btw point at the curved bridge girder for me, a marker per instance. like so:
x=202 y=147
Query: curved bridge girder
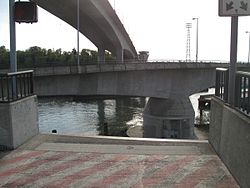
x=98 y=22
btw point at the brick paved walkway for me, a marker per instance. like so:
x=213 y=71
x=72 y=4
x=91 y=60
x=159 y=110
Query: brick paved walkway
x=51 y=166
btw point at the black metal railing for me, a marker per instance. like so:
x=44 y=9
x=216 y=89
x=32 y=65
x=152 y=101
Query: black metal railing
x=242 y=99
x=15 y=86
x=221 y=87
x=242 y=88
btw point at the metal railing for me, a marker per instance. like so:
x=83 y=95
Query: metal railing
x=16 y=86
x=242 y=88
x=242 y=99
x=221 y=86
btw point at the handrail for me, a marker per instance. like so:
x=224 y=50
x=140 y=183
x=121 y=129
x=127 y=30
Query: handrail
x=17 y=73
x=243 y=73
x=221 y=85
x=15 y=86
x=242 y=84
x=242 y=88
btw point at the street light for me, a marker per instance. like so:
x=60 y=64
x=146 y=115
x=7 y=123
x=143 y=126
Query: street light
x=248 y=32
x=197 y=37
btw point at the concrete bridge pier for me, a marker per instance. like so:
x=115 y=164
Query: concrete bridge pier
x=101 y=55
x=119 y=55
x=168 y=118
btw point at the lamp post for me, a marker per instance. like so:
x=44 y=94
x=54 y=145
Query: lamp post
x=248 y=32
x=197 y=37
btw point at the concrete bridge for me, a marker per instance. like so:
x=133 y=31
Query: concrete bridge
x=168 y=112
x=98 y=22
x=229 y=128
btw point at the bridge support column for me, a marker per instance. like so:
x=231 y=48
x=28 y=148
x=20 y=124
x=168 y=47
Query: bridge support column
x=101 y=55
x=168 y=118
x=119 y=55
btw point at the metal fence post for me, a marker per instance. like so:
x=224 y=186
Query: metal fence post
x=237 y=90
x=217 y=83
x=226 y=85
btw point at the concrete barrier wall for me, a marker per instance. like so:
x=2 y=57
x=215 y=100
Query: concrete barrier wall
x=229 y=134
x=18 y=122
x=176 y=83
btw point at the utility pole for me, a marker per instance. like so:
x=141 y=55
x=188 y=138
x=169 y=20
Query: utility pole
x=13 y=63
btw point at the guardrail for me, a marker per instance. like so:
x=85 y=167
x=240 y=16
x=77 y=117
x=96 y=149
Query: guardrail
x=242 y=91
x=221 y=84
x=242 y=88
x=16 y=86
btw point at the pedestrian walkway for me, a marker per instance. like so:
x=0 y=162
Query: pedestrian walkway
x=62 y=161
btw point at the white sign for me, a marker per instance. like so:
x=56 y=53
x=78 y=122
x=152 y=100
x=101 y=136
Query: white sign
x=234 y=7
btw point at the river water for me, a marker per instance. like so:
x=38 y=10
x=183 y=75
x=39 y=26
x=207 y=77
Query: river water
x=87 y=117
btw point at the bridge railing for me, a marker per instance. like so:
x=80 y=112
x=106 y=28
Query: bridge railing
x=16 y=86
x=110 y=62
x=242 y=88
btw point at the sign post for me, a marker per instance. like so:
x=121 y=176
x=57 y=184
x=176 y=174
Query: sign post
x=233 y=8
x=233 y=60
x=13 y=64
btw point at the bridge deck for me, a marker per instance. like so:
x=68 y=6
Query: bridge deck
x=63 y=161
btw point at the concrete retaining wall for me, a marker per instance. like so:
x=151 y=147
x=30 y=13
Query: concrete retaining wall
x=229 y=134
x=18 y=122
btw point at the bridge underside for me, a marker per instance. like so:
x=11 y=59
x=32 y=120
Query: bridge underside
x=98 y=22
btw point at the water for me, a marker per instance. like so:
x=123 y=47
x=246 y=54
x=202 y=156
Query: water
x=87 y=117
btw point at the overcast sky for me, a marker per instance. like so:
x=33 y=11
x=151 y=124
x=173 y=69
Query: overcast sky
x=157 y=26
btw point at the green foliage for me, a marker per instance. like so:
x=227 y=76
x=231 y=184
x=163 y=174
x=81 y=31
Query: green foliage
x=37 y=56
x=4 y=57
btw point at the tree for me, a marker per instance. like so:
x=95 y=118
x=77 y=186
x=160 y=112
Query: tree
x=4 y=57
x=35 y=56
x=93 y=56
x=85 y=57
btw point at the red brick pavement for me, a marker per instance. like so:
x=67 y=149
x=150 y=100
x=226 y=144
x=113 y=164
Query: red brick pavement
x=68 y=169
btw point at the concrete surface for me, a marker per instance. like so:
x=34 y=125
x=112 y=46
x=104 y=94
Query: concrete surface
x=168 y=118
x=67 y=161
x=18 y=122
x=160 y=83
x=229 y=134
x=132 y=65
x=200 y=131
